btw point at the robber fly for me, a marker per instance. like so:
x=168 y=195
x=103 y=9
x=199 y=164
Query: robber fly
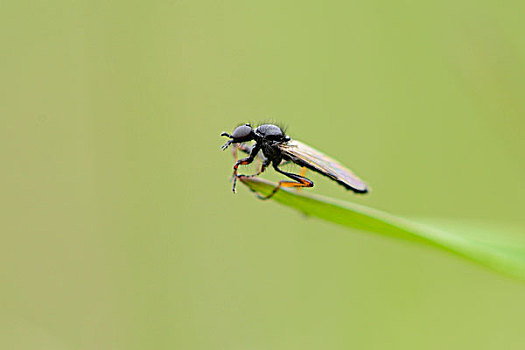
x=278 y=147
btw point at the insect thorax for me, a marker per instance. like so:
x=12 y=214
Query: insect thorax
x=271 y=151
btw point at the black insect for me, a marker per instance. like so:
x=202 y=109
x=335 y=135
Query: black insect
x=278 y=147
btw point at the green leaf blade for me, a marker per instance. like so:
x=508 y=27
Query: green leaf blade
x=496 y=255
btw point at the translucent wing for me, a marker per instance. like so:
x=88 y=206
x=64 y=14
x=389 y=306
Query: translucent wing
x=311 y=158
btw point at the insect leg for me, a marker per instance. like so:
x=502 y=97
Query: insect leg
x=247 y=148
x=244 y=147
x=300 y=181
x=244 y=161
x=302 y=173
x=263 y=167
x=235 y=153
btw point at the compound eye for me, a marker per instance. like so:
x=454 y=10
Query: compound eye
x=242 y=132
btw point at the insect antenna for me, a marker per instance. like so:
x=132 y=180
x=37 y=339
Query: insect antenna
x=229 y=142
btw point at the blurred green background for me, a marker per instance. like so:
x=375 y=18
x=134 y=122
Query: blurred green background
x=119 y=228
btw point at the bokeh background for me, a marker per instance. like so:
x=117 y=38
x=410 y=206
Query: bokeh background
x=118 y=226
